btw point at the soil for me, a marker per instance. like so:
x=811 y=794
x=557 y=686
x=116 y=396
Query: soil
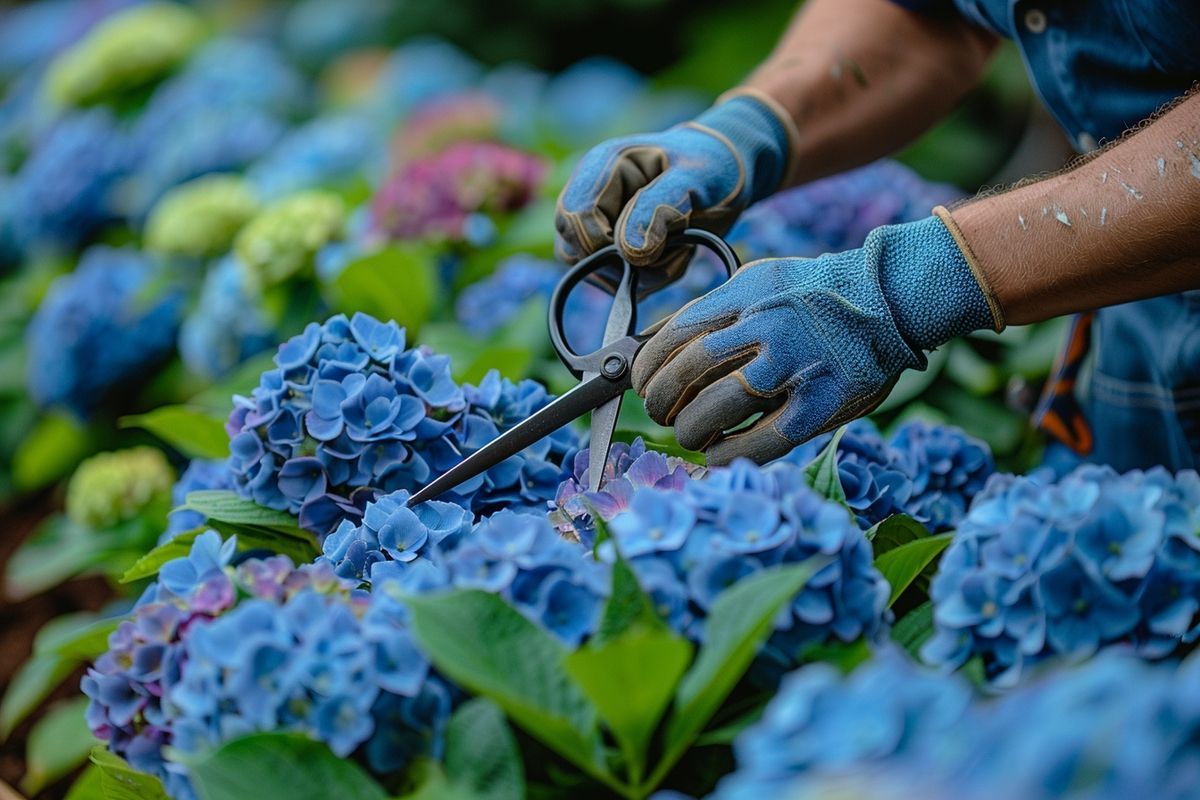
x=20 y=622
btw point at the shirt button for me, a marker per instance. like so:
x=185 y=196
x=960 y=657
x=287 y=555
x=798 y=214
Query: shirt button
x=1035 y=20
x=1086 y=142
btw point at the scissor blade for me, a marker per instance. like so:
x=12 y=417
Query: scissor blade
x=604 y=423
x=583 y=398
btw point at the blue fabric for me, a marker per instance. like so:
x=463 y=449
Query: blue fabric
x=638 y=190
x=810 y=343
x=1102 y=67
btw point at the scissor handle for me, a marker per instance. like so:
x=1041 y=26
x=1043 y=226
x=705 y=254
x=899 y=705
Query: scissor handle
x=579 y=363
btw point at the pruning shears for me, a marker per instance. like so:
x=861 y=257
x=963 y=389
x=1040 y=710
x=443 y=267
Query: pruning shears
x=603 y=374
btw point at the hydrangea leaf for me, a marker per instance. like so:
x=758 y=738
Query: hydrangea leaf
x=511 y=362
x=59 y=742
x=58 y=649
x=901 y=565
x=398 y=283
x=822 y=473
x=226 y=506
x=280 y=766
x=914 y=628
x=488 y=647
x=894 y=531
x=631 y=679
x=56 y=443
x=913 y=383
x=739 y=622
x=482 y=758
x=119 y=781
x=243 y=378
x=87 y=785
x=627 y=606
x=192 y=431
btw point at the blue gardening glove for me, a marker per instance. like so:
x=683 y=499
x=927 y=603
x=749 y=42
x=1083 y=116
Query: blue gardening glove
x=638 y=190
x=810 y=343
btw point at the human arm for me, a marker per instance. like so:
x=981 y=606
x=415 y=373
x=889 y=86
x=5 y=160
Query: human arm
x=850 y=81
x=812 y=343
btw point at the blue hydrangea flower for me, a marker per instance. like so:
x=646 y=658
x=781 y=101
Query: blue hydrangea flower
x=1041 y=568
x=200 y=474
x=890 y=730
x=612 y=88
x=100 y=327
x=213 y=652
x=712 y=532
x=226 y=110
x=226 y=326
x=485 y=306
x=349 y=407
x=326 y=152
x=421 y=70
x=63 y=192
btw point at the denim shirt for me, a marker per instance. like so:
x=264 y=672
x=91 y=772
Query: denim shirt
x=1101 y=67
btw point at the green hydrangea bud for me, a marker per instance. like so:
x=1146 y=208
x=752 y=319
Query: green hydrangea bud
x=283 y=239
x=131 y=49
x=114 y=487
x=200 y=218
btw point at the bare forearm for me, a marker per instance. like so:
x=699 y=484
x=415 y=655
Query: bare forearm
x=862 y=78
x=1119 y=227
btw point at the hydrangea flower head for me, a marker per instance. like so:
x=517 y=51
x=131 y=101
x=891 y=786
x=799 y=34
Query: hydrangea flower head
x=689 y=544
x=283 y=239
x=213 y=652
x=64 y=191
x=1064 y=568
x=127 y=51
x=116 y=486
x=199 y=219
x=350 y=406
x=228 y=323
x=326 y=152
x=98 y=327
x=420 y=71
x=437 y=196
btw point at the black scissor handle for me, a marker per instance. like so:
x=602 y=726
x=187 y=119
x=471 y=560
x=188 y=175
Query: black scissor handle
x=608 y=256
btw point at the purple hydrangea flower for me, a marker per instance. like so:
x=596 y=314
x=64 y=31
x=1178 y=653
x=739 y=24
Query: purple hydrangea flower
x=1096 y=559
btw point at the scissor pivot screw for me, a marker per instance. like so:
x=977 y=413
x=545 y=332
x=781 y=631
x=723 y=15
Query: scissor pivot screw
x=613 y=367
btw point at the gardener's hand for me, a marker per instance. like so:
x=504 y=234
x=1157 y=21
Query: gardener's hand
x=638 y=190
x=809 y=343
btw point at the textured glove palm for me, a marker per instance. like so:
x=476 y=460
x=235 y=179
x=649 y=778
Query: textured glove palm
x=808 y=343
x=638 y=190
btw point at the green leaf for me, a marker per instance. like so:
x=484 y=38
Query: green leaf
x=843 y=655
x=914 y=628
x=397 y=283
x=510 y=361
x=486 y=646
x=627 y=606
x=300 y=546
x=740 y=621
x=280 y=766
x=59 y=647
x=119 y=781
x=894 y=531
x=58 y=743
x=218 y=398
x=57 y=551
x=55 y=445
x=192 y=431
x=725 y=734
x=631 y=679
x=35 y=679
x=901 y=565
x=226 y=506
x=822 y=473
x=913 y=383
x=88 y=785
x=971 y=371
x=148 y=565
x=481 y=753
